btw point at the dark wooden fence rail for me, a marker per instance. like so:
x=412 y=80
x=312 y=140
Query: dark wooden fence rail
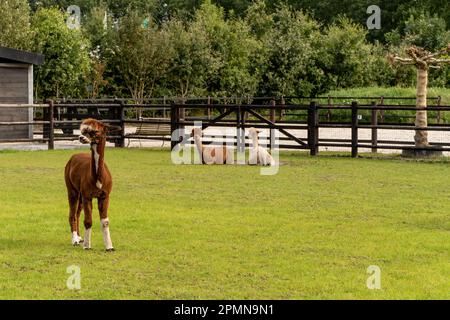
x=298 y=123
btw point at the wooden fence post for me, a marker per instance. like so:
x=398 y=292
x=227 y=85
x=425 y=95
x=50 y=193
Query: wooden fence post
x=51 y=133
x=374 y=123
x=182 y=117
x=283 y=103
x=354 y=129
x=438 y=113
x=272 y=117
x=120 y=143
x=313 y=129
x=330 y=105
x=174 y=119
x=209 y=108
x=240 y=136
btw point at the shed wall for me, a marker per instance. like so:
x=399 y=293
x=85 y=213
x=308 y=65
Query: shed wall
x=15 y=87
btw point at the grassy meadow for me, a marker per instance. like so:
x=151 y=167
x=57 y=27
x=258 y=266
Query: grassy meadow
x=433 y=92
x=227 y=232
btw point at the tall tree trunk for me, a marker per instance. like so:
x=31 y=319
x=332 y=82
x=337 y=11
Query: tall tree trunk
x=422 y=60
x=421 y=136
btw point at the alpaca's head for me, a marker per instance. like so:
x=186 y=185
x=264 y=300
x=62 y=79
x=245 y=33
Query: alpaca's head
x=253 y=132
x=196 y=132
x=92 y=131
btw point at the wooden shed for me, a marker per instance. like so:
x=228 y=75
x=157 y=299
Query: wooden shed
x=16 y=87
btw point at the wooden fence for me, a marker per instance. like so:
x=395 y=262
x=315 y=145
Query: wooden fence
x=298 y=123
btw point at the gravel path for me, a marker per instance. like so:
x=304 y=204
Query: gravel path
x=324 y=133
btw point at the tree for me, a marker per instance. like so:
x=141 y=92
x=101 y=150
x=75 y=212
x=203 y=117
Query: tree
x=422 y=60
x=259 y=19
x=117 y=7
x=421 y=29
x=291 y=67
x=192 y=60
x=233 y=49
x=120 y=8
x=345 y=55
x=66 y=55
x=98 y=28
x=15 y=31
x=141 y=55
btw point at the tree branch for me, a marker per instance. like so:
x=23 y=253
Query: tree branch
x=439 y=53
x=404 y=61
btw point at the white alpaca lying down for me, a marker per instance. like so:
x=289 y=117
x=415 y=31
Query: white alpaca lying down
x=258 y=155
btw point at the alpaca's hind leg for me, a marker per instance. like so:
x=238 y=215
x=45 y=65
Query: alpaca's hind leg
x=87 y=206
x=73 y=204
x=80 y=207
x=103 y=205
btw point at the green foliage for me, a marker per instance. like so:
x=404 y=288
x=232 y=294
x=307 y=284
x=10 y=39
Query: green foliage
x=192 y=62
x=120 y=8
x=233 y=47
x=15 y=31
x=232 y=50
x=259 y=19
x=66 y=56
x=99 y=28
x=140 y=55
x=291 y=54
x=345 y=55
x=117 y=7
x=393 y=14
x=422 y=30
x=95 y=29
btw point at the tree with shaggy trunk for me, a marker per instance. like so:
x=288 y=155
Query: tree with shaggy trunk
x=423 y=60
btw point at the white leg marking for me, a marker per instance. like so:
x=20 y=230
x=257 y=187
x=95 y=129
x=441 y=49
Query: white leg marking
x=75 y=238
x=98 y=184
x=106 y=235
x=87 y=238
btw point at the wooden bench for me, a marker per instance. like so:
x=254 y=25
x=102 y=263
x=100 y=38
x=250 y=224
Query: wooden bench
x=158 y=128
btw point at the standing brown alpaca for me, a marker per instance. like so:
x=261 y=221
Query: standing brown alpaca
x=88 y=177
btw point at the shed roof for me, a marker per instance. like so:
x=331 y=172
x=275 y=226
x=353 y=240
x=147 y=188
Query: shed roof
x=13 y=55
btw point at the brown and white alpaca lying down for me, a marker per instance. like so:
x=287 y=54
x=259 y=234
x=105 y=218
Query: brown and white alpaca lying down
x=258 y=155
x=213 y=154
x=88 y=177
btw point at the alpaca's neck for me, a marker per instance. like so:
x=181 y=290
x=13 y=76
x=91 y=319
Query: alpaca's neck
x=255 y=140
x=98 y=160
x=199 y=144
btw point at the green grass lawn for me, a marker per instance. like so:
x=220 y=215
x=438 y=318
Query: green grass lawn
x=444 y=93
x=226 y=232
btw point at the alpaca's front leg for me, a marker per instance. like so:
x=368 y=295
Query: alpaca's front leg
x=87 y=206
x=253 y=156
x=103 y=205
x=73 y=204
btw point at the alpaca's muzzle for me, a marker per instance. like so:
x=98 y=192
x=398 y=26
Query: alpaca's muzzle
x=84 y=139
